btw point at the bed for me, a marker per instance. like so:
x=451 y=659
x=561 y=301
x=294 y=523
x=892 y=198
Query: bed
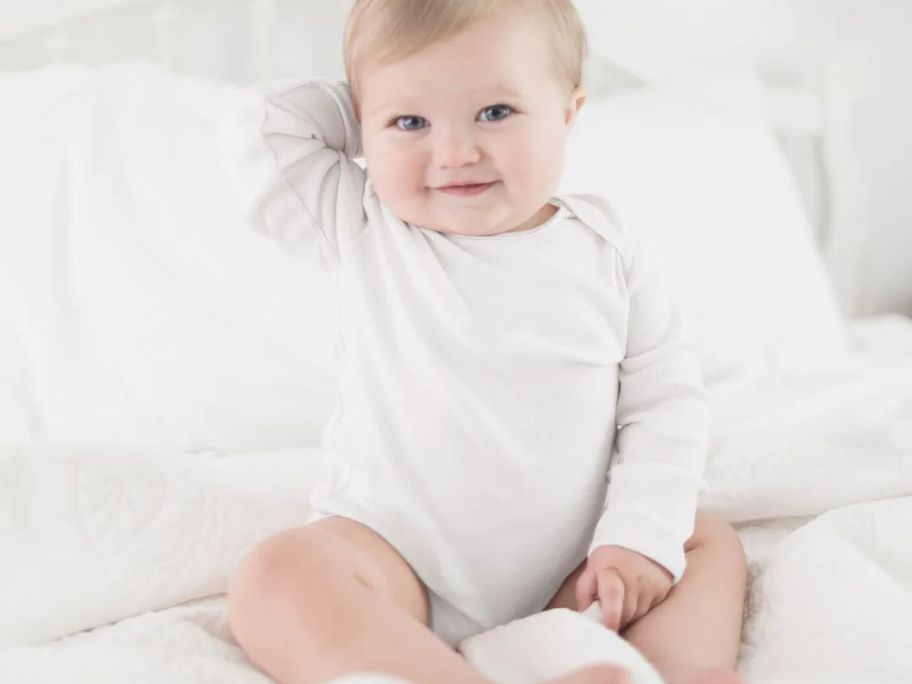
x=165 y=372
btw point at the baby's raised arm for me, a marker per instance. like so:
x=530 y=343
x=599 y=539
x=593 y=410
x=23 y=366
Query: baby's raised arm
x=289 y=146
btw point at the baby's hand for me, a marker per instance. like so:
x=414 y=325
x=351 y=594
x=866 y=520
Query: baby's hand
x=627 y=583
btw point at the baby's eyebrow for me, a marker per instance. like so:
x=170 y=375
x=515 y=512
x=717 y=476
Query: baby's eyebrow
x=494 y=91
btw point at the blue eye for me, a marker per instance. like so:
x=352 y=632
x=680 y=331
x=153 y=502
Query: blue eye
x=504 y=109
x=410 y=120
x=412 y=123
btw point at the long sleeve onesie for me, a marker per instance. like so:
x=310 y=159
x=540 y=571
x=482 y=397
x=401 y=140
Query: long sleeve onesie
x=506 y=403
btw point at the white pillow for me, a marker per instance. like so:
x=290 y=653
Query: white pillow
x=138 y=306
x=697 y=167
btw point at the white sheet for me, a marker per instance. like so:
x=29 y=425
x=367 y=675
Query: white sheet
x=804 y=447
x=815 y=475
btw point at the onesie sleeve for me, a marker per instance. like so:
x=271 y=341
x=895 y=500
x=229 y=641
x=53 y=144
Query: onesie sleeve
x=663 y=421
x=289 y=148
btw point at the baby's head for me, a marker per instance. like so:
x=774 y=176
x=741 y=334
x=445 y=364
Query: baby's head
x=452 y=92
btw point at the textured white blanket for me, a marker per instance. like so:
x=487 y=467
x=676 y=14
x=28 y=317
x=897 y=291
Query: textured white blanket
x=114 y=563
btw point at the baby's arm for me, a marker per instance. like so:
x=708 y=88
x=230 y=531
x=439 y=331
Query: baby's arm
x=663 y=424
x=288 y=146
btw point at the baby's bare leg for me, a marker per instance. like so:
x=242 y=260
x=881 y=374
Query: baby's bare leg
x=693 y=636
x=331 y=598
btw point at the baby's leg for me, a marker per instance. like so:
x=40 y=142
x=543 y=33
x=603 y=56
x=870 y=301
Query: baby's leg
x=693 y=636
x=334 y=597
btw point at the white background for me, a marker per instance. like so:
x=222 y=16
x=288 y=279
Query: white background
x=787 y=40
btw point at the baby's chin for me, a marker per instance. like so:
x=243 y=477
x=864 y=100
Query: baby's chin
x=477 y=220
x=473 y=228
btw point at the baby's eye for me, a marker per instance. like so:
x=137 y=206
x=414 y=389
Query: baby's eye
x=499 y=112
x=416 y=123
x=410 y=123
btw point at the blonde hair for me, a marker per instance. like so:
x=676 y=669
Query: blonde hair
x=389 y=30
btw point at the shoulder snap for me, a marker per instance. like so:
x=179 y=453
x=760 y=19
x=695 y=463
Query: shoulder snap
x=600 y=216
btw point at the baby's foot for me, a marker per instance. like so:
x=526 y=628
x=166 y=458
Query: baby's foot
x=716 y=676
x=594 y=674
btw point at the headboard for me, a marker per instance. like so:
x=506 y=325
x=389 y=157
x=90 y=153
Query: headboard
x=242 y=41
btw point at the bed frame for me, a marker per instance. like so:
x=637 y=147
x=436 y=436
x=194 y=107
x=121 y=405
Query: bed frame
x=246 y=41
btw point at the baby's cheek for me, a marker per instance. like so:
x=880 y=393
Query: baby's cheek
x=392 y=176
x=534 y=174
x=548 y=166
x=518 y=165
x=534 y=158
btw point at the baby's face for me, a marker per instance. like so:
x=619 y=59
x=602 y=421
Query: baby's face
x=481 y=107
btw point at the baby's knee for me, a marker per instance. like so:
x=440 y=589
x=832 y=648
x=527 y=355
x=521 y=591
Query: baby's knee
x=285 y=571
x=714 y=531
x=288 y=556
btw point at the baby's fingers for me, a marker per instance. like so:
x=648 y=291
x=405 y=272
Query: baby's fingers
x=585 y=590
x=631 y=599
x=611 y=595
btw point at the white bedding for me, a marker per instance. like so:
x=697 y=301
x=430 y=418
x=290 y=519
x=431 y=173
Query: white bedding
x=151 y=315
x=114 y=569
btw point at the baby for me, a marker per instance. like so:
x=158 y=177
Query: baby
x=521 y=423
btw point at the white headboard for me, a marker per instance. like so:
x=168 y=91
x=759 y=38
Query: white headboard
x=242 y=41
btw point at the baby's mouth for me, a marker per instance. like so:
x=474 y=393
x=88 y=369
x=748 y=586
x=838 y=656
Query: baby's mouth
x=467 y=190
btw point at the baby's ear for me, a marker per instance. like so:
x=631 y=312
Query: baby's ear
x=577 y=100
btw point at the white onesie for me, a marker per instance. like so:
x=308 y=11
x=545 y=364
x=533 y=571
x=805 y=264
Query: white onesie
x=488 y=383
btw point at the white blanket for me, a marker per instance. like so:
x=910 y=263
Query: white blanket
x=114 y=569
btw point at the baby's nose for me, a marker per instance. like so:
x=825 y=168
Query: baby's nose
x=454 y=149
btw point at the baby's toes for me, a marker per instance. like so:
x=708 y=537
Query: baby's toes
x=601 y=673
x=716 y=676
